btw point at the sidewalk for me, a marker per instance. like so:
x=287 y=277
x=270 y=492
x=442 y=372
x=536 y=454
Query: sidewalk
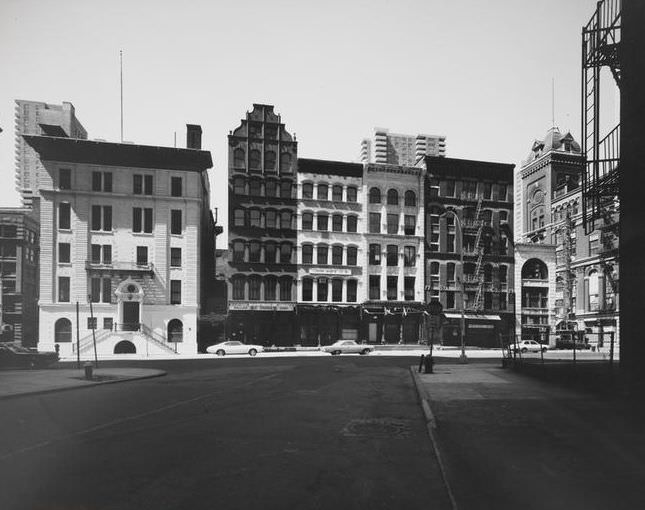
x=507 y=440
x=22 y=382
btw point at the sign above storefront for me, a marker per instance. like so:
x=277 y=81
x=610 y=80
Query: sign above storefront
x=261 y=307
x=330 y=270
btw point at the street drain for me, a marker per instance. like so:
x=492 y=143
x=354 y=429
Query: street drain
x=377 y=427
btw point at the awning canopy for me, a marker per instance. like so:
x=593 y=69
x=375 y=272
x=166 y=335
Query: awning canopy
x=471 y=316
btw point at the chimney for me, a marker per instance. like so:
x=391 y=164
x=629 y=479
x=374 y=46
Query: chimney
x=193 y=136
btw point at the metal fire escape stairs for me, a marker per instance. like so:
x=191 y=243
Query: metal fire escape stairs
x=600 y=47
x=479 y=273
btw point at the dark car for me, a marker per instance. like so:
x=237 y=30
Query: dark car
x=16 y=356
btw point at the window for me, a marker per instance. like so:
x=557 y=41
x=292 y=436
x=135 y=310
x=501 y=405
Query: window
x=254 y=159
x=323 y=191
x=451 y=234
x=255 y=285
x=175 y=257
x=139 y=214
x=336 y=290
x=375 y=196
x=238 y=186
x=450 y=274
x=375 y=255
x=142 y=184
x=375 y=223
x=285 y=253
x=392 y=255
x=175 y=331
x=64 y=252
x=285 y=163
x=450 y=188
x=337 y=255
x=307 y=253
x=322 y=251
x=502 y=276
x=285 y=189
x=270 y=218
x=337 y=223
x=239 y=219
x=502 y=301
x=63 y=289
x=409 y=256
x=255 y=188
x=97 y=181
x=269 y=160
x=270 y=249
x=102 y=217
x=238 y=158
x=63 y=331
x=392 y=197
x=322 y=221
x=322 y=289
x=175 y=292
x=503 y=216
x=469 y=189
x=95 y=254
x=255 y=218
x=254 y=251
x=100 y=290
x=410 y=199
x=594 y=246
x=408 y=288
x=392 y=282
x=435 y=213
x=285 y=220
x=450 y=300
x=487 y=217
x=375 y=286
x=108 y=323
x=392 y=223
x=271 y=188
x=307 y=190
x=351 y=194
x=352 y=223
x=64 y=178
x=64 y=216
x=307 y=289
x=434 y=281
x=337 y=193
x=409 y=224
x=434 y=187
x=285 y=289
x=91 y=323
x=352 y=255
x=351 y=291
x=488 y=190
x=238 y=287
x=503 y=190
x=270 y=285
x=307 y=221
x=142 y=255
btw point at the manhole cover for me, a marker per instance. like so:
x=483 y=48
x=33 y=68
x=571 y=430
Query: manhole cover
x=377 y=427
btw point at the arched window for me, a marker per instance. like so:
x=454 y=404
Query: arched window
x=534 y=269
x=285 y=220
x=239 y=158
x=255 y=284
x=307 y=221
x=352 y=222
x=351 y=193
x=269 y=160
x=392 y=197
x=239 y=217
x=323 y=191
x=307 y=289
x=337 y=255
x=307 y=253
x=239 y=284
x=285 y=288
x=270 y=286
x=255 y=187
x=375 y=196
x=239 y=186
x=175 y=331
x=255 y=218
x=63 y=331
x=238 y=251
x=254 y=159
x=410 y=199
x=270 y=248
x=285 y=189
x=285 y=253
x=270 y=218
x=285 y=163
x=307 y=190
x=271 y=188
x=337 y=193
x=594 y=291
x=254 y=251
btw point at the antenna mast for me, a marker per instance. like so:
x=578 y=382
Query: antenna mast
x=121 y=63
x=552 y=102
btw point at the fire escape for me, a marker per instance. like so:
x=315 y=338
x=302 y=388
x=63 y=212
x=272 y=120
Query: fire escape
x=478 y=275
x=600 y=47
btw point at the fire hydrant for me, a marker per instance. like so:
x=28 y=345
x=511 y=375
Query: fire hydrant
x=89 y=368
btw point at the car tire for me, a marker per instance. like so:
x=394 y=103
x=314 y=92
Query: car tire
x=524 y=349
x=365 y=351
x=335 y=353
x=221 y=352
x=253 y=352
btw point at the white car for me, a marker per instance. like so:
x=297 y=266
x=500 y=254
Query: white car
x=347 y=347
x=528 y=346
x=234 y=347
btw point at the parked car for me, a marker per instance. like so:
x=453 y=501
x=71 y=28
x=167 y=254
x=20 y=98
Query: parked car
x=234 y=347
x=16 y=356
x=528 y=346
x=347 y=347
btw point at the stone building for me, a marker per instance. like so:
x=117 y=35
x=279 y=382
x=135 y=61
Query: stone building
x=331 y=250
x=469 y=218
x=19 y=256
x=394 y=240
x=122 y=230
x=262 y=230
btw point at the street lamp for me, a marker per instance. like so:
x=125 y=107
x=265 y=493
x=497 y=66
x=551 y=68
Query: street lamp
x=462 y=357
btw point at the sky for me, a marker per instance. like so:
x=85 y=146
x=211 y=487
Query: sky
x=483 y=73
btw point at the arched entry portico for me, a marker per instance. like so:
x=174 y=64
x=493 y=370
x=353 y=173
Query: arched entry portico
x=129 y=296
x=125 y=347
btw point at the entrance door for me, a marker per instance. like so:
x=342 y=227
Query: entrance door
x=372 y=335
x=130 y=316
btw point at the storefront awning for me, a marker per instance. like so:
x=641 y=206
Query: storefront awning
x=470 y=316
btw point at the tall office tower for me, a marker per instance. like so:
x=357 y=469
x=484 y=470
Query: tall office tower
x=122 y=228
x=262 y=159
x=38 y=118
x=397 y=149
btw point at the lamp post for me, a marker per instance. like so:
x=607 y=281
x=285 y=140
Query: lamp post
x=462 y=357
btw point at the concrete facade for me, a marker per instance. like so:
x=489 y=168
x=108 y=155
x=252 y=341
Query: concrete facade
x=400 y=149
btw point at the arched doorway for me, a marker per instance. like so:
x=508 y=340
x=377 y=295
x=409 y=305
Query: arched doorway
x=63 y=331
x=125 y=347
x=130 y=296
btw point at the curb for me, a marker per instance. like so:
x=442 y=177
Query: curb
x=160 y=373
x=431 y=426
